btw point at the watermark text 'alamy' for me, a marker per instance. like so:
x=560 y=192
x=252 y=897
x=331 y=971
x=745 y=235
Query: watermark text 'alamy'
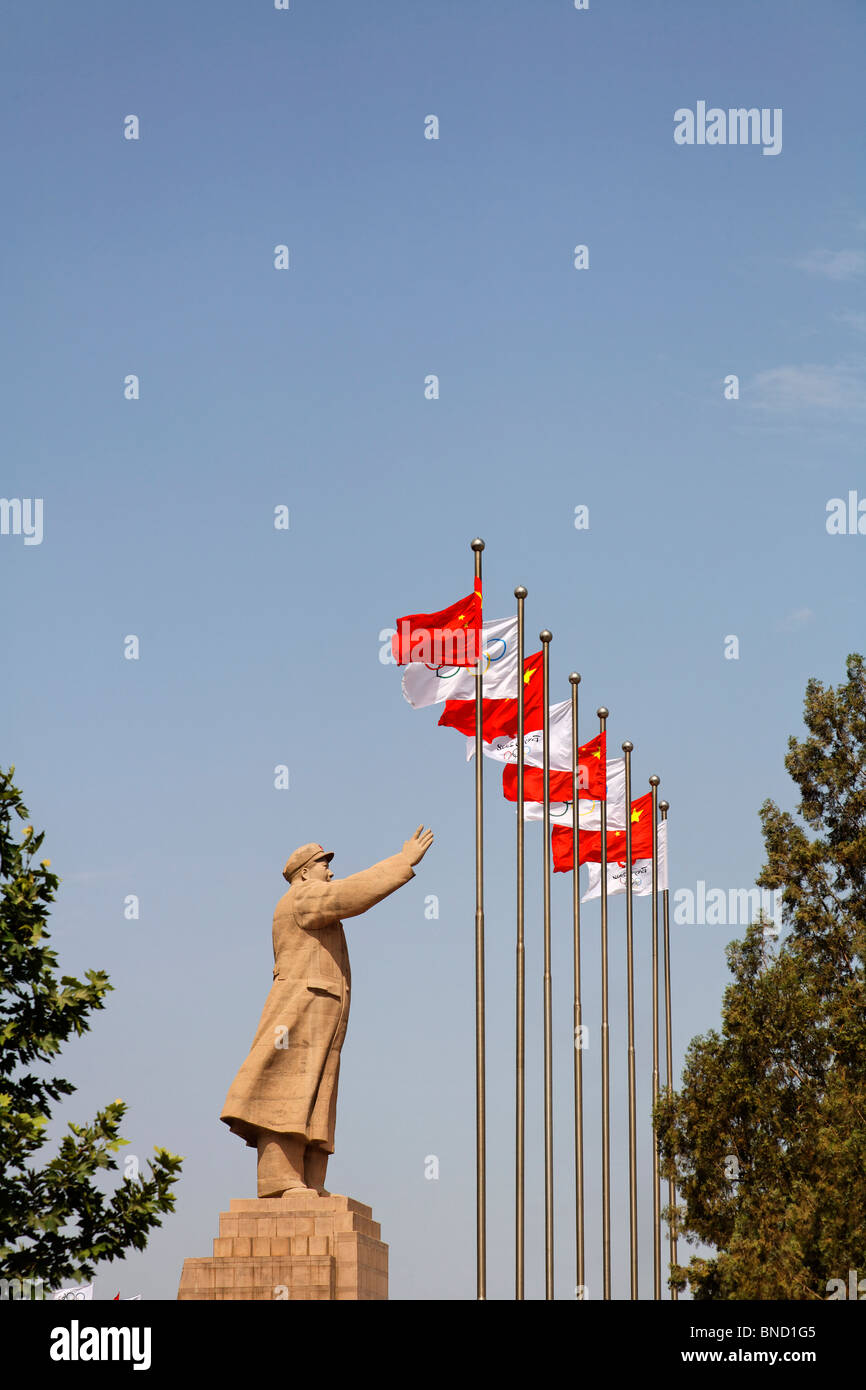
x=736 y=126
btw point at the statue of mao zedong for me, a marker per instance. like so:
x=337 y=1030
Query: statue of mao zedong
x=283 y=1100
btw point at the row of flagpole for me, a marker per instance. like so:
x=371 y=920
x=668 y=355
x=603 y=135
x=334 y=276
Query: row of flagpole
x=477 y=546
x=546 y=636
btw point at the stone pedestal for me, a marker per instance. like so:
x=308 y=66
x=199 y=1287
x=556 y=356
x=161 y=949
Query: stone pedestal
x=297 y=1247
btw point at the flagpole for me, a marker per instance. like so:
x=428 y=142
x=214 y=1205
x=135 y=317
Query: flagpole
x=477 y=546
x=657 y=1249
x=627 y=748
x=578 y=1023
x=546 y=637
x=603 y=714
x=520 y=1137
x=664 y=807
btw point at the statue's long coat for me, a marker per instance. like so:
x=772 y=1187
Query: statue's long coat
x=288 y=1083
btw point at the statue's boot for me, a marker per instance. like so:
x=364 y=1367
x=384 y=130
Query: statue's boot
x=315 y=1167
x=281 y=1164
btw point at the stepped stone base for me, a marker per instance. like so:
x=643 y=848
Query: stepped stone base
x=297 y=1247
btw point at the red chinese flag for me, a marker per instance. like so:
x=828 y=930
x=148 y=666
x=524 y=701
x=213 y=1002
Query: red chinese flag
x=592 y=782
x=500 y=716
x=562 y=840
x=449 y=638
x=562 y=845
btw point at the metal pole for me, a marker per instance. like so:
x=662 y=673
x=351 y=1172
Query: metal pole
x=603 y=714
x=627 y=748
x=657 y=1247
x=546 y=638
x=480 y=1097
x=578 y=1024
x=664 y=807
x=520 y=1136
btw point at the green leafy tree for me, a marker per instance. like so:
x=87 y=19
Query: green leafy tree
x=54 y=1222
x=767 y=1137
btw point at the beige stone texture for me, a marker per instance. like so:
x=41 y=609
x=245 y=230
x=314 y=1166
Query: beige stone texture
x=301 y=1247
x=292 y=1089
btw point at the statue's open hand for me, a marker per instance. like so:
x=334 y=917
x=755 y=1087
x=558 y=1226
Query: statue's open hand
x=417 y=847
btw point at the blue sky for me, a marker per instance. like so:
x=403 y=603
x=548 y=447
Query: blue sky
x=558 y=387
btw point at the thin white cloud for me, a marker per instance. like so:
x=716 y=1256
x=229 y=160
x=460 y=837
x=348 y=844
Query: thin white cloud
x=810 y=387
x=835 y=265
x=797 y=619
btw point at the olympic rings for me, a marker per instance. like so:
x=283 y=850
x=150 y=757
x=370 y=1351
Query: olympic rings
x=451 y=670
x=447 y=673
x=491 y=659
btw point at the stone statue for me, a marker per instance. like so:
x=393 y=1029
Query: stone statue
x=283 y=1100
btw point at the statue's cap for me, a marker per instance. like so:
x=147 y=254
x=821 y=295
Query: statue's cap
x=304 y=856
